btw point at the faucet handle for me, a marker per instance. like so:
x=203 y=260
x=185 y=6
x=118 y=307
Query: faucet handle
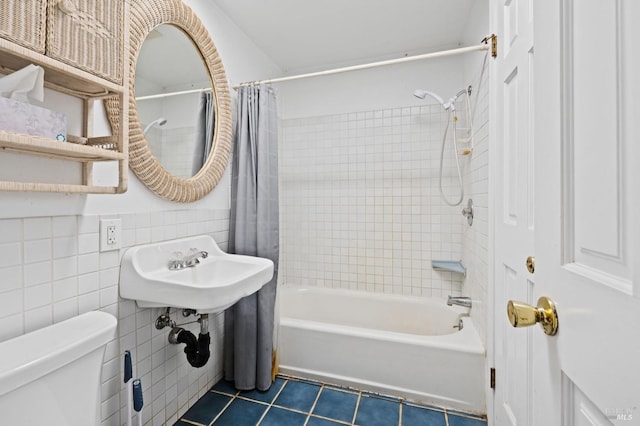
x=175 y=261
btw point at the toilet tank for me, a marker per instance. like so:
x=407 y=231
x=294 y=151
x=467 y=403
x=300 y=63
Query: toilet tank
x=52 y=376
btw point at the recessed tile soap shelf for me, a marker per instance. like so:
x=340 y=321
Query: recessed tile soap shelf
x=449 y=266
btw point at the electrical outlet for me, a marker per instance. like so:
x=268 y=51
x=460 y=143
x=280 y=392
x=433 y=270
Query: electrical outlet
x=110 y=234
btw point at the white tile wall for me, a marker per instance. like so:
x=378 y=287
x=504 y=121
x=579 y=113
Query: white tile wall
x=51 y=269
x=178 y=147
x=174 y=147
x=360 y=203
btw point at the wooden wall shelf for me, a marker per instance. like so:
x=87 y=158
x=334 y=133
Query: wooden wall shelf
x=71 y=80
x=35 y=145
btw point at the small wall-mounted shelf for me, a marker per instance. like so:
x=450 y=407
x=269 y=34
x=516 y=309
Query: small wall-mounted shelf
x=33 y=145
x=449 y=266
x=51 y=148
x=69 y=68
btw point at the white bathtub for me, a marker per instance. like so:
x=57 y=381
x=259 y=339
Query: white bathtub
x=396 y=345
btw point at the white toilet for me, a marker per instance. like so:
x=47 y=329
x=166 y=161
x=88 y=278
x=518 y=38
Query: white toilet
x=52 y=376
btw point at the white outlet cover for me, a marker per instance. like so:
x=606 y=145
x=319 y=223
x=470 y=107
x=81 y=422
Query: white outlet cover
x=117 y=234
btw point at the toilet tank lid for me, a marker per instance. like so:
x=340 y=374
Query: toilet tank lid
x=30 y=356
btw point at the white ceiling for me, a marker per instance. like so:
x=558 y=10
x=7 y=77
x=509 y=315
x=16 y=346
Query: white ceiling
x=304 y=35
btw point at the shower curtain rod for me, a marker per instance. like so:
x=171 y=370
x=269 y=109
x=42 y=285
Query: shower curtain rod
x=165 y=95
x=461 y=50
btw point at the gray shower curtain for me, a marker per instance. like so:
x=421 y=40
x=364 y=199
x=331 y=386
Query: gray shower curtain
x=204 y=131
x=253 y=230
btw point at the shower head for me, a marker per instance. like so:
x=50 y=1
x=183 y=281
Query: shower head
x=420 y=93
x=160 y=121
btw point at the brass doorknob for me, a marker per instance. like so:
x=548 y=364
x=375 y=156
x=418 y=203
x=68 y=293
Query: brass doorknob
x=523 y=315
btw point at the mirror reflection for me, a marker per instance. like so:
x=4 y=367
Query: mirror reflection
x=174 y=100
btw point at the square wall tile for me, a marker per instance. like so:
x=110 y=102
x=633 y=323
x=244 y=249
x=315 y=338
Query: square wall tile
x=10 y=230
x=11 y=278
x=37 y=228
x=10 y=254
x=65 y=289
x=37 y=250
x=88 y=243
x=38 y=318
x=65 y=247
x=37 y=296
x=88 y=224
x=88 y=263
x=65 y=309
x=65 y=226
x=65 y=267
x=11 y=303
x=37 y=273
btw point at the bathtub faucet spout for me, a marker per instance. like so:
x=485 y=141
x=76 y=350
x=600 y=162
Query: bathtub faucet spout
x=460 y=301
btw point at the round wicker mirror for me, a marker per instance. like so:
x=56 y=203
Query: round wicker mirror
x=145 y=16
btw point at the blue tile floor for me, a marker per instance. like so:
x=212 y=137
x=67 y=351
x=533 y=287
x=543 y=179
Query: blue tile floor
x=292 y=401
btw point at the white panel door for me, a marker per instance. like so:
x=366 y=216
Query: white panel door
x=513 y=205
x=587 y=237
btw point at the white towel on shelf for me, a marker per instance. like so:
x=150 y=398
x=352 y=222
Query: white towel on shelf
x=24 y=85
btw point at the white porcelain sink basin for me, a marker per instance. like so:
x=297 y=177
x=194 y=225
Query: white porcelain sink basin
x=212 y=285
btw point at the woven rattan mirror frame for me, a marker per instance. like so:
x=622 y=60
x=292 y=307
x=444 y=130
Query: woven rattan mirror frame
x=145 y=16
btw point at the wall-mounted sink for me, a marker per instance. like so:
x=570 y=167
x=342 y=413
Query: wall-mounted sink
x=210 y=285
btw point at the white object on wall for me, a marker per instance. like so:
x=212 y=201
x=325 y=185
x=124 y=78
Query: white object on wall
x=24 y=85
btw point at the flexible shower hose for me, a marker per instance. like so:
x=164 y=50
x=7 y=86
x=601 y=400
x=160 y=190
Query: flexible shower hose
x=470 y=113
x=457 y=156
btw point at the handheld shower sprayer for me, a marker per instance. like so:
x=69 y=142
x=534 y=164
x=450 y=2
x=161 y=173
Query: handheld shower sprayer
x=160 y=121
x=421 y=93
x=450 y=107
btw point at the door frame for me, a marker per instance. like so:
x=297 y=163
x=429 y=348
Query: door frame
x=496 y=169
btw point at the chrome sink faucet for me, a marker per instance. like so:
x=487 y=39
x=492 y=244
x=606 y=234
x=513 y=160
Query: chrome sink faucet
x=188 y=261
x=460 y=301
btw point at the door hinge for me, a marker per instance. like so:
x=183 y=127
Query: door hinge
x=494 y=44
x=492 y=378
